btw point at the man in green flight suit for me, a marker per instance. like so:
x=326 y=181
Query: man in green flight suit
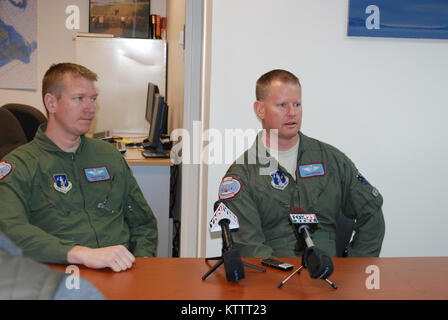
x=284 y=169
x=66 y=198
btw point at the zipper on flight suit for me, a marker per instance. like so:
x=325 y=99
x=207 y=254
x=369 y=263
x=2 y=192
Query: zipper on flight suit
x=103 y=205
x=84 y=198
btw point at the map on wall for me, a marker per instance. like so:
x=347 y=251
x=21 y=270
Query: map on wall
x=18 y=44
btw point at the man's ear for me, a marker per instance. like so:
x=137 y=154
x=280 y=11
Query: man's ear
x=259 y=109
x=50 y=103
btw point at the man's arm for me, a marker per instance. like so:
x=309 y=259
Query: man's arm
x=249 y=238
x=118 y=258
x=15 y=190
x=363 y=202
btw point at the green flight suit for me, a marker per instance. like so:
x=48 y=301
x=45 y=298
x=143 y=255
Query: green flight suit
x=52 y=200
x=327 y=182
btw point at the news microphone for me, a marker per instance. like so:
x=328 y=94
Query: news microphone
x=317 y=262
x=304 y=224
x=225 y=220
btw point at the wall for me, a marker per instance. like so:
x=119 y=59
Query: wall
x=381 y=101
x=55 y=44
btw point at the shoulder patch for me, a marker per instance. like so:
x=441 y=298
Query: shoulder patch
x=5 y=169
x=361 y=178
x=229 y=188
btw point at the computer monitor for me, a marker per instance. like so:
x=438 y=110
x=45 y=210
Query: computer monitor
x=153 y=89
x=154 y=146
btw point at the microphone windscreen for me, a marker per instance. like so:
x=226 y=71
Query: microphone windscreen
x=319 y=264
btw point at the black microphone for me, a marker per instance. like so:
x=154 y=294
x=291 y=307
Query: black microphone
x=225 y=218
x=317 y=262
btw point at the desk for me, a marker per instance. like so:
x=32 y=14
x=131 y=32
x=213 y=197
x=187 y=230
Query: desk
x=153 y=177
x=180 y=279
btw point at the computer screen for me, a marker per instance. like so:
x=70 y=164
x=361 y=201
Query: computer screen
x=158 y=117
x=153 y=89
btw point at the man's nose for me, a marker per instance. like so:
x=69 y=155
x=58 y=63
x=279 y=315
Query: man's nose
x=89 y=105
x=291 y=110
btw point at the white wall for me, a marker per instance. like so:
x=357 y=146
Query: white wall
x=381 y=101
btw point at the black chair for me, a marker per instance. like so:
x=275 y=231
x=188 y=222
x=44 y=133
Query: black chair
x=344 y=232
x=29 y=117
x=11 y=132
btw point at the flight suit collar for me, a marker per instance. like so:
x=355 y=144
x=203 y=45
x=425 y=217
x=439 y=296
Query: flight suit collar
x=47 y=144
x=259 y=149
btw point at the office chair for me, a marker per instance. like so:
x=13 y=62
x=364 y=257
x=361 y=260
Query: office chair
x=29 y=117
x=344 y=232
x=11 y=132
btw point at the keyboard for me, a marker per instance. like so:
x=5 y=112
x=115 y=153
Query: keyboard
x=153 y=154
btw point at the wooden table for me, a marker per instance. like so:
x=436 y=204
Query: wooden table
x=180 y=279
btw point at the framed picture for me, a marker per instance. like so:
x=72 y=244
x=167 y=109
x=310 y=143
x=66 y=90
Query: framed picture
x=122 y=18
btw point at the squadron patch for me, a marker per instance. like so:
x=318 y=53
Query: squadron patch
x=5 y=169
x=279 y=180
x=229 y=188
x=97 y=174
x=311 y=170
x=61 y=183
x=362 y=179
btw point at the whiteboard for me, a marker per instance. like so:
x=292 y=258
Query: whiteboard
x=124 y=68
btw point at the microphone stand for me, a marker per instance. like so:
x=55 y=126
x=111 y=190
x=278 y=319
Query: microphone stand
x=227 y=244
x=310 y=244
x=334 y=286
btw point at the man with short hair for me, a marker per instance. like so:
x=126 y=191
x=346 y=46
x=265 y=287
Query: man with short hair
x=307 y=173
x=66 y=198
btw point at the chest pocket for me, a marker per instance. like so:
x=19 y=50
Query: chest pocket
x=323 y=196
x=108 y=196
x=273 y=203
x=53 y=200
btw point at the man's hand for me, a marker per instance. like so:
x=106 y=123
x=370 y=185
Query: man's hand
x=118 y=258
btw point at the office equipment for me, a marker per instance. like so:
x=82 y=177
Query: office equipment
x=153 y=89
x=154 y=147
x=103 y=135
x=121 y=146
x=273 y=263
